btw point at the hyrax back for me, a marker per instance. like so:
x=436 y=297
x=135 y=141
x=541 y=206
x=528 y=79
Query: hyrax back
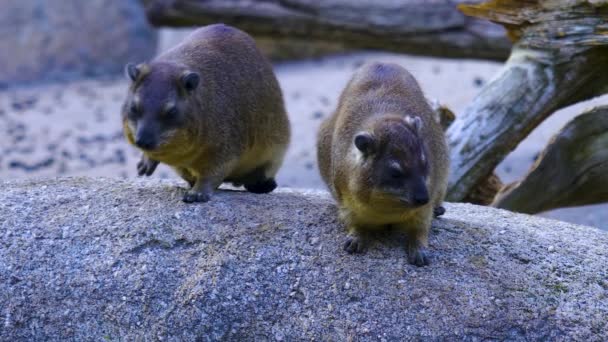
x=212 y=109
x=384 y=157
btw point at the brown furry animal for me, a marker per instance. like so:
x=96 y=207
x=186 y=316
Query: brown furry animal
x=212 y=109
x=384 y=157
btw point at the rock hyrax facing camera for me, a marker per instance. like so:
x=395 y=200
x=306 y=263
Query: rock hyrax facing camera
x=384 y=157
x=211 y=108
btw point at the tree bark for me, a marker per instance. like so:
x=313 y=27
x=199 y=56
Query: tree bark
x=571 y=171
x=484 y=192
x=555 y=63
x=443 y=115
x=434 y=28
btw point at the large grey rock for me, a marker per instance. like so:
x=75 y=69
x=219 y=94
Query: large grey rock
x=108 y=259
x=60 y=39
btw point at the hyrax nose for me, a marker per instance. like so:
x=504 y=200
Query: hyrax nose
x=144 y=142
x=421 y=198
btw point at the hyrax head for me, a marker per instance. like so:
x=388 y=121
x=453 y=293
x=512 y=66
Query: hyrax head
x=157 y=103
x=393 y=162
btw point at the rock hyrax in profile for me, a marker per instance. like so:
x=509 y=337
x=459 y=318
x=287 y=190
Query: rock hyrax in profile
x=211 y=108
x=384 y=157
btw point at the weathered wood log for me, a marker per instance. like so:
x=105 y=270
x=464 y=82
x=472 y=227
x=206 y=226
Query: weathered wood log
x=288 y=49
x=484 y=192
x=571 y=171
x=560 y=58
x=423 y=27
x=443 y=114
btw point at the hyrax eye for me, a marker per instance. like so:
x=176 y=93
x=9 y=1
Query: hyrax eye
x=396 y=172
x=133 y=111
x=172 y=111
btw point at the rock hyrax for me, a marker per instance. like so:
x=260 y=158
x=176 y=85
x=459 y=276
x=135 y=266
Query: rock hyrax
x=384 y=157
x=211 y=108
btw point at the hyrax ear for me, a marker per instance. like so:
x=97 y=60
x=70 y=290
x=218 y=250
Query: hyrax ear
x=132 y=71
x=415 y=122
x=190 y=80
x=364 y=142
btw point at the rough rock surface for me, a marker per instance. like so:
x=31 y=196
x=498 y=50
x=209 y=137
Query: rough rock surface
x=111 y=259
x=49 y=40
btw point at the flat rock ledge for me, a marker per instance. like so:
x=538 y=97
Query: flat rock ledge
x=108 y=259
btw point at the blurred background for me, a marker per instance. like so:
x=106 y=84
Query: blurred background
x=62 y=83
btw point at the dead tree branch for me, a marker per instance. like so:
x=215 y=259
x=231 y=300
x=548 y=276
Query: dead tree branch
x=571 y=171
x=424 y=27
x=560 y=58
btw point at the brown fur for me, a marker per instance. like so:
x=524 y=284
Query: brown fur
x=231 y=127
x=384 y=100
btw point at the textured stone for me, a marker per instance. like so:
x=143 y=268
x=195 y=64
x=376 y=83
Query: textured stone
x=61 y=39
x=111 y=259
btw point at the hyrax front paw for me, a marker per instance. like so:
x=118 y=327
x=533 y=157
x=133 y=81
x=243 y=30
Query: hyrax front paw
x=438 y=211
x=146 y=166
x=262 y=187
x=355 y=245
x=417 y=256
x=196 y=196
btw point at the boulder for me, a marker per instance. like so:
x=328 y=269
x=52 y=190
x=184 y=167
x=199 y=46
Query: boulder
x=51 y=40
x=85 y=259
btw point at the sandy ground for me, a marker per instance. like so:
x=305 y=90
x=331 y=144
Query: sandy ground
x=74 y=129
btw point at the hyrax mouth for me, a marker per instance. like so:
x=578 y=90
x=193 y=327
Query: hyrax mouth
x=404 y=200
